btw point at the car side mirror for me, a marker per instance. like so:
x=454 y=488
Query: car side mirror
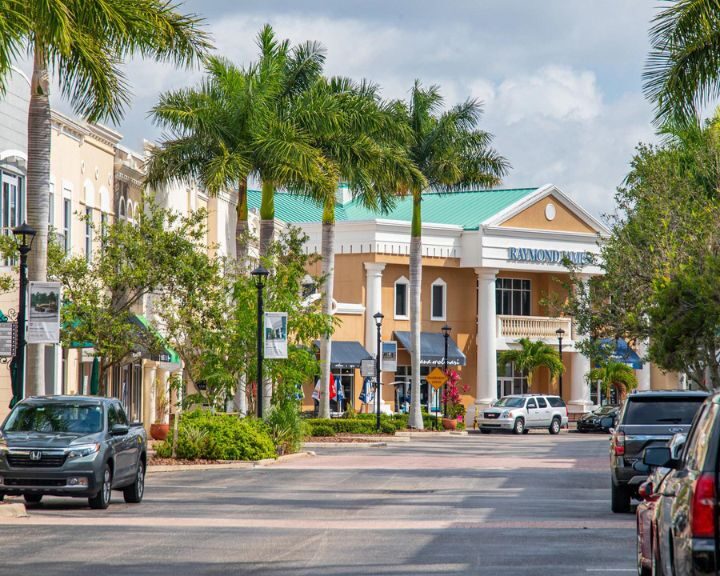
x=119 y=430
x=641 y=467
x=656 y=456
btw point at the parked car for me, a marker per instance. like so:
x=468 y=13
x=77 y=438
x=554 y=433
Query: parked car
x=81 y=446
x=686 y=536
x=650 y=492
x=646 y=419
x=521 y=413
x=599 y=420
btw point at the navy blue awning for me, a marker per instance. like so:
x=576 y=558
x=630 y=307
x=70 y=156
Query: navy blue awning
x=621 y=352
x=346 y=354
x=432 y=349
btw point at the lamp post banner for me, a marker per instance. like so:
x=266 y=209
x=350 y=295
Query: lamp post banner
x=43 y=326
x=275 y=335
x=389 y=356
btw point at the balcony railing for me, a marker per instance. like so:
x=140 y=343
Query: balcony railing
x=533 y=327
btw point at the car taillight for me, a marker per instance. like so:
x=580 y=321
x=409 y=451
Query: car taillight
x=703 y=507
x=619 y=443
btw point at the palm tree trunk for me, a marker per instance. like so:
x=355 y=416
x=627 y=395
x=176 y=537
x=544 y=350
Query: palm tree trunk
x=241 y=259
x=415 y=419
x=38 y=182
x=328 y=272
x=267 y=216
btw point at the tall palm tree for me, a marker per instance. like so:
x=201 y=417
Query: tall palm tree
x=363 y=144
x=453 y=154
x=532 y=355
x=612 y=374
x=83 y=43
x=683 y=68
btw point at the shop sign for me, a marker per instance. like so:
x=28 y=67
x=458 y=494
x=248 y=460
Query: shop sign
x=543 y=256
x=367 y=368
x=8 y=339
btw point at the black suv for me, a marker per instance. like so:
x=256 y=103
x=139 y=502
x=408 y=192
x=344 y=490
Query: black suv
x=646 y=419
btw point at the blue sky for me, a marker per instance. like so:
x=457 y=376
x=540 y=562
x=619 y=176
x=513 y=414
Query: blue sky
x=560 y=79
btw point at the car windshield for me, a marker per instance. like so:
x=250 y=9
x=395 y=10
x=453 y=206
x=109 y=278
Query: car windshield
x=662 y=410
x=606 y=410
x=71 y=418
x=510 y=402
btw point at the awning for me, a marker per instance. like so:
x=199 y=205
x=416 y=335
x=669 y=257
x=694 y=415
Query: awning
x=162 y=354
x=346 y=354
x=432 y=349
x=621 y=352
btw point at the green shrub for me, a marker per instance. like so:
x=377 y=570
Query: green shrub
x=286 y=427
x=203 y=435
x=322 y=430
x=387 y=427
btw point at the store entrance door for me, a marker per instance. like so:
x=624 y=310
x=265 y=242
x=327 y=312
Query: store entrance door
x=504 y=387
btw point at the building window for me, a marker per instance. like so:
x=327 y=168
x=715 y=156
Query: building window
x=511 y=381
x=438 y=301
x=11 y=203
x=512 y=297
x=428 y=395
x=67 y=223
x=401 y=298
x=121 y=209
x=88 y=234
x=51 y=205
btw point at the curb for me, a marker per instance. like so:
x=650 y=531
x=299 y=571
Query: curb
x=160 y=468
x=15 y=510
x=444 y=434
x=345 y=444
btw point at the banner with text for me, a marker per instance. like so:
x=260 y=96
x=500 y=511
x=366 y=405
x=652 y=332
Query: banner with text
x=43 y=321
x=276 y=335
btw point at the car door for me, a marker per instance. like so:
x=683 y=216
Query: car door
x=120 y=468
x=532 y=413
x=544 y=412
x=130 y=445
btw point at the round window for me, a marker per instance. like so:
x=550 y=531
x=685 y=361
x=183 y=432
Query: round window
x=550 y=211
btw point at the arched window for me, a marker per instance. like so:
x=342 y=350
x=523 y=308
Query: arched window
x=438 y=300
x=121 y=209
x=401 y=310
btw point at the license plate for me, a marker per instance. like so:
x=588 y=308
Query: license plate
x=491 y=415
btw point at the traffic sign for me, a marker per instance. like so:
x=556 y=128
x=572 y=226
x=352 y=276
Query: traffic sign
x=436 y=378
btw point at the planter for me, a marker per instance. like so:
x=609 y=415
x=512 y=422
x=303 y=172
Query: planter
x=159 y=431
x=449 y=424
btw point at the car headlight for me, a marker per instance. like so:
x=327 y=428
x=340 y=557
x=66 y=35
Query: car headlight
x=83 y=450
x=506 y=414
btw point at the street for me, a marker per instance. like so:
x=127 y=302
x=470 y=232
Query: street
x=499 y=504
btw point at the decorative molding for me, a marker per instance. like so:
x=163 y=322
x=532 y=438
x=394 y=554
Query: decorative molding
x=348 y=308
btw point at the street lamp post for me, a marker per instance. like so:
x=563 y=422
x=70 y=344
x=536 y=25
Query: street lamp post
x=24 y=236
x=260 y=273
x=446 y=334
x=560 y=333
x=378 y=358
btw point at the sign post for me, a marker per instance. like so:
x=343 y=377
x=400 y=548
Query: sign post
x=436 y=379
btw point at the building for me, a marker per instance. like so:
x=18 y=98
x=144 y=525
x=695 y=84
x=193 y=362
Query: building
x=492 y=264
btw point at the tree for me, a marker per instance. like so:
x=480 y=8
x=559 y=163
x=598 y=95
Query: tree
x=159 y=251
x=612 y=374
x=683 y=68
x=452 y=154
x=83 y=43
x=531 y=356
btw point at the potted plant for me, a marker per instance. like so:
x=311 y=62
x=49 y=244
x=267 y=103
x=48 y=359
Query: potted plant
x=159 y=430
x=452 y=398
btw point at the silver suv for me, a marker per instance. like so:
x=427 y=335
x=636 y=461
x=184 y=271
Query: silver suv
x=520 y=413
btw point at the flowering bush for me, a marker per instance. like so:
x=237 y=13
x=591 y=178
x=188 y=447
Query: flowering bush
x=452 y=395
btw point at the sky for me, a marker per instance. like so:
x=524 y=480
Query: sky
x=560 y=80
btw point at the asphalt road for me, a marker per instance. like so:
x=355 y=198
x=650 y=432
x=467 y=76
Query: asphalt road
x=500 y=504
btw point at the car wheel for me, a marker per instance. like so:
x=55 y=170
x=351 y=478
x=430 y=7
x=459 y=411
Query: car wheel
x=2 y=497
x=101 y=500
x=134 y=493
x=519 y=426
x=485 y=431
x=33 y=498
x=555 y=426
x=619 y=498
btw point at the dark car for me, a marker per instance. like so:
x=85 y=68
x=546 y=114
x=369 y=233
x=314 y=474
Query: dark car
x=646 y=419
x=80 y=446
x=600 y=420
x=686 y=536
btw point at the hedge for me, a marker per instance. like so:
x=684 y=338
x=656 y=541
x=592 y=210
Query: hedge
x=361 y=424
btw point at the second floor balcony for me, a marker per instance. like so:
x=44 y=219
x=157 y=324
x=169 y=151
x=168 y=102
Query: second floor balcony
x=533 y=327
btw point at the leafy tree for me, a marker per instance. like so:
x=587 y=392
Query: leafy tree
x=612 y=374
x=683 y=68
x=83 y=43
x=532 y=355
x=452 y=154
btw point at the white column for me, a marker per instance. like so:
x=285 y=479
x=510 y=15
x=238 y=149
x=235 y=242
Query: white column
x=150 y=391
x=373 y=300
x=579 y=387
x=164 y=378
x=57 y=384
x=643 y=375
x=486 y=338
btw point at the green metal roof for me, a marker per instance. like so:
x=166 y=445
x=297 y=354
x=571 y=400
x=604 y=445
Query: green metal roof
x=467 y=209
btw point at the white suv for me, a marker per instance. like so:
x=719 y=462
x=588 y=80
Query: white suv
x=520 y=413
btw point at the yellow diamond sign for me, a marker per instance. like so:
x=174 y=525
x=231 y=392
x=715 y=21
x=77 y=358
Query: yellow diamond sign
x=436 y=378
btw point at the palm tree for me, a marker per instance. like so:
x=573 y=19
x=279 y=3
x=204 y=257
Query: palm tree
x=83 y=43
x=531 y=356
x=613 y=374
x=683 y=68
x=362 y=142
x=452 y=153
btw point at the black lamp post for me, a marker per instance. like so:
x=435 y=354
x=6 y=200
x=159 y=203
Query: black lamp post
x=378 y=359
x=24 y=236
x=560 y=333
x=260 y=273
x=446 y=334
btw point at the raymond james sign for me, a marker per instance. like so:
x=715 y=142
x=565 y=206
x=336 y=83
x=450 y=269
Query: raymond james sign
x=548 y=256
